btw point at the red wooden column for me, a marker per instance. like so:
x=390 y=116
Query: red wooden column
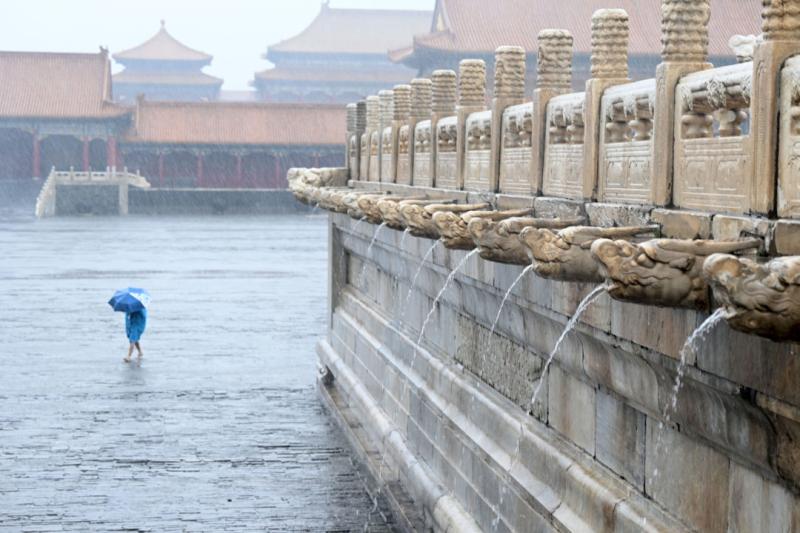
x=200 y=170
x=85 y=141
x=37 y=156
x=239 y=170
x=160 y=169
x=111 y=152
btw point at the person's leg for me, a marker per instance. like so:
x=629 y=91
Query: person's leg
x=130 y=353
x=139 y=348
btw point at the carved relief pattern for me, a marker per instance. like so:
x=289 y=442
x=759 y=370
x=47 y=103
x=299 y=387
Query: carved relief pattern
x=386 y=153
x=373 y=113
x=472 y=82
x=478 y=153
x=711 y=148
x=386 y=107
x=780 y=20
x=402 y=102
x=374 y=145
x=554 y=64
x=365 y=157
x=684 y=30
x=421 y=99
x=446 y=168
x=444 y=92
x=563 y=162
x=515 y=157
x=509 y=72
x=610 y=44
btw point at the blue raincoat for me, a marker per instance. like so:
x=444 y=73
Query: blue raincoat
x=135 y=323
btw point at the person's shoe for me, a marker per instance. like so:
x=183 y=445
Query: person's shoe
x=127 y=359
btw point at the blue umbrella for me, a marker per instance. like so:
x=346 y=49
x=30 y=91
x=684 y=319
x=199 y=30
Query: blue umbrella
x=129 y=300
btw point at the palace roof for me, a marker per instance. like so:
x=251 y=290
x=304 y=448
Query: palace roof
x=478 y=26
x=356 y=31
x=376 y=75
x=137 y=77
x=56 y=85
x=242 y=123
x=162 y=47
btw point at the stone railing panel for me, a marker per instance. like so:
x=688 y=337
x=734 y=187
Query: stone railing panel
x=516 y=154
x=477 y=176
x=563 y=166
x=626 y=142
x=446 y=153
x=423 y=155
x=789 y=150
x=713 y=152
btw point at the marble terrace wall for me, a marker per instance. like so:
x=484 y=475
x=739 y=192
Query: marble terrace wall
x=679 y=194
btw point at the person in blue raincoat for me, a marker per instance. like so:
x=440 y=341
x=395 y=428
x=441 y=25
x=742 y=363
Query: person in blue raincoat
x=135 y=322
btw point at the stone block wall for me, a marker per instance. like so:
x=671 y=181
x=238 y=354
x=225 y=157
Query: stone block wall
x=595 y=452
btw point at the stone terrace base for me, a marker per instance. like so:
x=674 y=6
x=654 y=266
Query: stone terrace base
x=449 y=420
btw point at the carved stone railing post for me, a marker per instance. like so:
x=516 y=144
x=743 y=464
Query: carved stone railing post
x=684 y=39
x=609 y=67
x=386 y=98
x=509 y=90
x=554 y=77
x=444 y=105
x=781 y=32
x=350 y=143
x=471 y=99
x=422 y=159
x=370 y=171
x=360 y=128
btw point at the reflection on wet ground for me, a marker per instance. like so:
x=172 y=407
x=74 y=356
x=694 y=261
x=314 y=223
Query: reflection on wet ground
x=219 y=428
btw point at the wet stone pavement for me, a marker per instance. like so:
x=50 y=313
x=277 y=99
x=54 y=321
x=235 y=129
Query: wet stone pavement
x=218 y=429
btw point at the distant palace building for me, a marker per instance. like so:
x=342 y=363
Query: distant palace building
x=462 y=29
x=163 y=68
x=57 y=110
x=342 y=56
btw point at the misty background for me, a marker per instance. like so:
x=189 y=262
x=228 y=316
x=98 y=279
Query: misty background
x=235 y=32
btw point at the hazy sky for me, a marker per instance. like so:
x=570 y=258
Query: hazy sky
x=235 y=32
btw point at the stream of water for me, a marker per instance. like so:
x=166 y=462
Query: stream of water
x=427 y=256
x=369 y=251
x=447 y=282
x=693 y=342
x=500 y=310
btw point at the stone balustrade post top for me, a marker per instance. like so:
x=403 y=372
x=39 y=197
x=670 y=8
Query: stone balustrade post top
x=509 y=72
x=402 y=102
x=445 y=91
x=684 y=30
x=472 y=82
x=610 y=33
x=386 y=98
x=421 y=98
x=554 y=61
x=373 y=112
x=780 y=20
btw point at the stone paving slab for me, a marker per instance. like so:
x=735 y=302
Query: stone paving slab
x=219 y=429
